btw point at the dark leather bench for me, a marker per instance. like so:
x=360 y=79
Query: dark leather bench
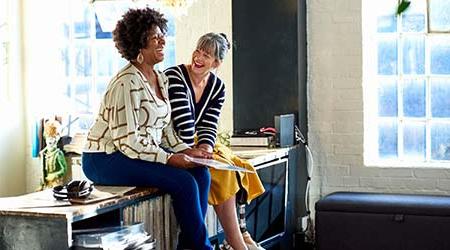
x=375 y=221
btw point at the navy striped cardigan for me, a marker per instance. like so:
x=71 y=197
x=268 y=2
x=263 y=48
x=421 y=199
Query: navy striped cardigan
x=190 y=118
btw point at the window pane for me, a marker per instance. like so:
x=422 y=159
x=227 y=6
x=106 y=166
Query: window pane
x=414 y=55
x=385 y=13
x=387 y=140
x=122 y=62
x=440 y=141
x=105 y=58
x=414 y=17
x=387 y=99
x=99 y=32
x=81 y=23
x=170 y=24
x=387 y=56
x=440 y=54
x=65 y=60
x=107 y=13
x=82 y=96
x=414 y=98
x=63 y=15
x=414 y=141
x=439 y=15
x=387 y=24
x=83 y=60
x=169 y=57
x=101 y=85
x=82 y=123
x=85 y=122
x=101 y=88
x=66 y=30
x=440 y=98
x=67 y=89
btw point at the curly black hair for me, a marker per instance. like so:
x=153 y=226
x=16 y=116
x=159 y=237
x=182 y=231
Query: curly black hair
x=132 y=31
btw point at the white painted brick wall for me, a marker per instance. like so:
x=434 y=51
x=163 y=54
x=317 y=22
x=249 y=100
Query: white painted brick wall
x=335 y=110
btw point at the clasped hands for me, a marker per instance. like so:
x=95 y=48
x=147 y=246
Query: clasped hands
x=181 y=159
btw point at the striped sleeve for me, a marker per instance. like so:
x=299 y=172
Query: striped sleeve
x=207 y=126
x=182 y=113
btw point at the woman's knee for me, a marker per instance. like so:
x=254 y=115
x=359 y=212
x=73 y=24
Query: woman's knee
x=203 y=178
x=202 y=174
x=184 y=184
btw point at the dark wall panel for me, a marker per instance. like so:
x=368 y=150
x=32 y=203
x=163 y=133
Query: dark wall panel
x=265 y=61
x=269 y=78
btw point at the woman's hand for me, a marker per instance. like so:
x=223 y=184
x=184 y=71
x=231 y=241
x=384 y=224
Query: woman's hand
x=180 y=160
x=205 y=147
x=198 y=153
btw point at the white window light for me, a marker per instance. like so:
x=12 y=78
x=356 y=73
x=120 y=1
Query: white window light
x=406 y=84
x=82 y=56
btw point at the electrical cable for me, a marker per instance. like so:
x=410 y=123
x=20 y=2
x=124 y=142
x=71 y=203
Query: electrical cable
x=309 y=171
x=309 y=232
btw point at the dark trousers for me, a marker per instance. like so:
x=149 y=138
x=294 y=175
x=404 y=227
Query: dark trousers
x=188 y=188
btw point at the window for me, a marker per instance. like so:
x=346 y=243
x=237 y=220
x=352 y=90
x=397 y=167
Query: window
x=407 y=83
x=4 y=48
x=86 y=57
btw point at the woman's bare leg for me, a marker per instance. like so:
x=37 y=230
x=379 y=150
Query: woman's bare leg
x=226 y=212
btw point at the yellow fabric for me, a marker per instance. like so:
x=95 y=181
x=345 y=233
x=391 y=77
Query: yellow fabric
x=224 y=184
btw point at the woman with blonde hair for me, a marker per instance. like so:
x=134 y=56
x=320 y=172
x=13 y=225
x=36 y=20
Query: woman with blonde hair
x=197 y=96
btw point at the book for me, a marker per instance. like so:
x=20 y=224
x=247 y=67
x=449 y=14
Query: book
x=251 y=141
x=218 y=165
x=101 y=193
x=117 y=190
x=39 y=199
x=76 y=145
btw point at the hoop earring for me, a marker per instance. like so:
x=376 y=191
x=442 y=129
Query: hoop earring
x=140 y=58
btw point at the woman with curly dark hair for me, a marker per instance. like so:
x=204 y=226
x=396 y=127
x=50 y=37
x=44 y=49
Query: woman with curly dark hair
x=132 y=141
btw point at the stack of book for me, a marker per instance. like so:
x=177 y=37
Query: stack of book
x=76 y=145
x=252 y=140
x=158 y=218
x=120 y=238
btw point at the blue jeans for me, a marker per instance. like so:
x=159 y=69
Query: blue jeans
x=188 y=188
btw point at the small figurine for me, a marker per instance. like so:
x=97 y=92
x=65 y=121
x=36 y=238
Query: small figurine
x=54 y=164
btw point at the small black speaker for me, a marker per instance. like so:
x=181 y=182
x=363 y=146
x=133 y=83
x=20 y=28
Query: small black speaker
x=284 y=124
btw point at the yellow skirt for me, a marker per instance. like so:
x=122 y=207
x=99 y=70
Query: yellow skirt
x=224 y=184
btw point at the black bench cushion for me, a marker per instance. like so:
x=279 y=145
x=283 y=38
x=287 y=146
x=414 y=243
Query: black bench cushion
x=433 y=205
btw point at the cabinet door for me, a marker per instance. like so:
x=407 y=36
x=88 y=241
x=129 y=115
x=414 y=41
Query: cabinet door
x=266 y=215
x=34 y=233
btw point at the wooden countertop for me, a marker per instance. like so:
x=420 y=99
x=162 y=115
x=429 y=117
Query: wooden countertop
x=259 y=155
x=42 y=204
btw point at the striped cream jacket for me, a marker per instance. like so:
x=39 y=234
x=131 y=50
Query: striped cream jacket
x=133 y=120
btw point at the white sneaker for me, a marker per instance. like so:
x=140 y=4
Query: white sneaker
x=225 y=246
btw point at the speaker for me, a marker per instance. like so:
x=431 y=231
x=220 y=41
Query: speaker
x=284 y=124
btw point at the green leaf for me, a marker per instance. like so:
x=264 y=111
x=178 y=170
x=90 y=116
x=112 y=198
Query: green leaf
x=404 y=4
